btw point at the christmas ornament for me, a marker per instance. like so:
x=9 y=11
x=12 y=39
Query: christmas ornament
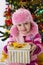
x=8 y=22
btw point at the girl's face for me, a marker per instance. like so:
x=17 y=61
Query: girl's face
x=24 y=28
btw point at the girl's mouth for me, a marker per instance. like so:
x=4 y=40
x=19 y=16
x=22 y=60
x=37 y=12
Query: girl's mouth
x=24 y=30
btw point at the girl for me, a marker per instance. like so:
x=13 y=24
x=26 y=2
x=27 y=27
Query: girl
x=24 y=29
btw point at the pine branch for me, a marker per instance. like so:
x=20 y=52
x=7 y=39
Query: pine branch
x=1 y=32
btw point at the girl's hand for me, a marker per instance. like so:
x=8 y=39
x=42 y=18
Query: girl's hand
x=33 y=47
x=10 y=44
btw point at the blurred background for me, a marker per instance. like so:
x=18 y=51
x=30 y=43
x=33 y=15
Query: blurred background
x=2 y=23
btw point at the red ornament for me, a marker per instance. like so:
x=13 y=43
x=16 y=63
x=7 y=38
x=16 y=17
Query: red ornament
x=40 y=25
x=33 y=15
x=40 y=64
x=6 y=13
x=8 y=22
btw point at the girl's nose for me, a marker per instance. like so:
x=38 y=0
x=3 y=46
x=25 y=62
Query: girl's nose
x=23 y=26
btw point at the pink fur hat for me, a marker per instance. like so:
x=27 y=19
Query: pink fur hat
x=20 y=16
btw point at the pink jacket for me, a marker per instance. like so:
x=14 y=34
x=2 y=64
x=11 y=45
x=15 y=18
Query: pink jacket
x=33 y=37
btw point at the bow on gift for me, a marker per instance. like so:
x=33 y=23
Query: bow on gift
x=17 y=45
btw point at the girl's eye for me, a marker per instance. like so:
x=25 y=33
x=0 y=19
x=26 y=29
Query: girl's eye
x=26 y=23
x=19 y=25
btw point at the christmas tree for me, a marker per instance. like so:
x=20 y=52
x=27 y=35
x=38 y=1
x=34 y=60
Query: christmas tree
x=35 y=7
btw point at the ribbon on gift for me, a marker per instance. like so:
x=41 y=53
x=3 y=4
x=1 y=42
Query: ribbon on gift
x=18 y=45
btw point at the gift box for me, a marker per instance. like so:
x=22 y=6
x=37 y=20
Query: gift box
x=19 y=54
